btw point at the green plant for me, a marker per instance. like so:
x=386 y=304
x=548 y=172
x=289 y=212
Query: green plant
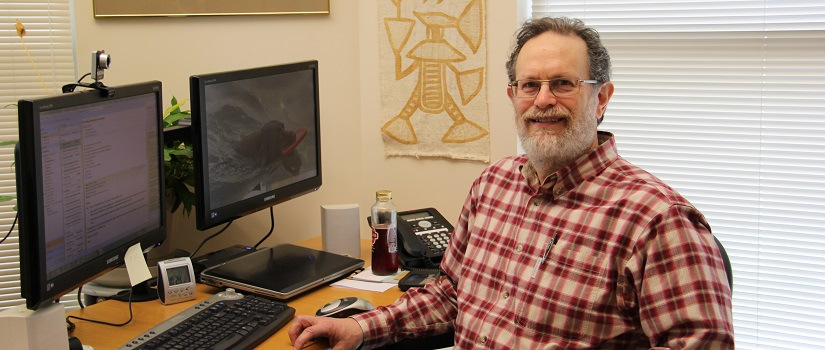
x=179 y=168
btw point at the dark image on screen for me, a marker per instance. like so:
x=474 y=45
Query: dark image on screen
x=261 y=135
x=257 y=139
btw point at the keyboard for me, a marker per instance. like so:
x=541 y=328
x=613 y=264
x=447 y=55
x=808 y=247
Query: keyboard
x=226 y=320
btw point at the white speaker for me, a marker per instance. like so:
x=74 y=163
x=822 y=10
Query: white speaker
x=341 y=229
x=21 y=328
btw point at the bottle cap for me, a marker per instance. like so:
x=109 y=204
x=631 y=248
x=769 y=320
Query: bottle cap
x=383 y=194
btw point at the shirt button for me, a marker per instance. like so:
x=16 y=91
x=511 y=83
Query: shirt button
x=518 y=248
x=505 y=295
x=558 y=191
x=482 y=340
x=536 y=202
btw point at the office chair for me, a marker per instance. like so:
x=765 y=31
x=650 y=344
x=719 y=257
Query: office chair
x=726 y=260
x=446 y=340
x=434 y=342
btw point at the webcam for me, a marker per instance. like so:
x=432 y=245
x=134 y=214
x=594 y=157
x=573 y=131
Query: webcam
x=100 y=61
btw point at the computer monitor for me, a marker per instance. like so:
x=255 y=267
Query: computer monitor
x=89 y=185
x=257 y=139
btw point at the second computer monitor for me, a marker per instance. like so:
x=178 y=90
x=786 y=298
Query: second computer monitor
x=257 y=139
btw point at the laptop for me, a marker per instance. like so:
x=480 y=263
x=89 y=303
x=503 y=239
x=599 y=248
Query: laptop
x=281 y=272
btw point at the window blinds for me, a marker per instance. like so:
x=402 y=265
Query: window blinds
x=725 y=101
x=49 y=41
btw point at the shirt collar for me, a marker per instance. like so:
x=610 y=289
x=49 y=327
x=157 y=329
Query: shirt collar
x=574 y=173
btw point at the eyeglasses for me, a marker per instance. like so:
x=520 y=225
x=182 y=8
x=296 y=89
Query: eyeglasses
x=561 y=87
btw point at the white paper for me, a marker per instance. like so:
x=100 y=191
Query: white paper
x=364 y=285
x=136 y=265
x=368 y=276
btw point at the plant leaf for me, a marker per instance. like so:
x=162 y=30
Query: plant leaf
x=173 y=119
x=174 y=106
x=167 y=157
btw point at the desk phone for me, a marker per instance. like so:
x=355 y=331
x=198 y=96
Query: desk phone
x=424 y=232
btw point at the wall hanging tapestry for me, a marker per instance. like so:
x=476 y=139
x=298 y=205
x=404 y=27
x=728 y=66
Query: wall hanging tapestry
x=433 y=58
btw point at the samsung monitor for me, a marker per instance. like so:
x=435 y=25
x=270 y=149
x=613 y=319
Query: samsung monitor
x=256 y=137
x=89 y=185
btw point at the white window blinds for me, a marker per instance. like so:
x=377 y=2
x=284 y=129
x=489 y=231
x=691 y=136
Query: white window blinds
x=725 y=101
x=49 y=41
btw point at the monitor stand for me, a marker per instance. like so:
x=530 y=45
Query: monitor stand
x=114 y=286
x=140 y=292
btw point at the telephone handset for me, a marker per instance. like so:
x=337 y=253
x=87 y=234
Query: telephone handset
x=424 y=235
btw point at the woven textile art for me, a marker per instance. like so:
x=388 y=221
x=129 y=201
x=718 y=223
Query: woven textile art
x=433 y=58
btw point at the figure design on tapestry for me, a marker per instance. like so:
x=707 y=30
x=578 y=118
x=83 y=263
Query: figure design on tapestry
x=432 y=61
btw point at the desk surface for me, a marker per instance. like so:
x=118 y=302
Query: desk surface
x=148 y=314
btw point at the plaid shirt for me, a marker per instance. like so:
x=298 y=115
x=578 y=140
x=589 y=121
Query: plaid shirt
x=629 y=263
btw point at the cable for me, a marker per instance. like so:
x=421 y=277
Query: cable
x=84 y=75
x=71 y=326
x=271 y=228
x=210 y=237
x=11 y=229
x=79 y=298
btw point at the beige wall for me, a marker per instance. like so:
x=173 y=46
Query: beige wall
x=345 y=44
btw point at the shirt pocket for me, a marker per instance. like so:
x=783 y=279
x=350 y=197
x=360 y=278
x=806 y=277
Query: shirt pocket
x=566 y=294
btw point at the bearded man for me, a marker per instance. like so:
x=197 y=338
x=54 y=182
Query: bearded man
x=569 y=246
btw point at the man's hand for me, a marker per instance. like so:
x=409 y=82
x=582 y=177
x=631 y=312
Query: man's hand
x=342 y=333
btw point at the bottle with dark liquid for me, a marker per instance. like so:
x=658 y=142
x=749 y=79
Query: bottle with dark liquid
x=384 y=238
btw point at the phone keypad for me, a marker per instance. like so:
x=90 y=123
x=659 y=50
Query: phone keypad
x=437 y=241
x=434 y=234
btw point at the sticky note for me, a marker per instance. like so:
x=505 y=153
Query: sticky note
x=136 y=265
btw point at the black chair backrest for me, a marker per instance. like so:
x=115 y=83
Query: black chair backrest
x=726 y=260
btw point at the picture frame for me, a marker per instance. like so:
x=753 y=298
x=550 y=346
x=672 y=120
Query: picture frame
x=179 y=8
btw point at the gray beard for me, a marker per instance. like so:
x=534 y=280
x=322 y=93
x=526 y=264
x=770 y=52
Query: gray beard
x=549 y=152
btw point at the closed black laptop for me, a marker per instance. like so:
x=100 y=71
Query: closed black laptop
x=282 y=271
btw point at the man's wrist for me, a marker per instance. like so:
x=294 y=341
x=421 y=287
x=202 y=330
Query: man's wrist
x=360 y=329
x=369 y=322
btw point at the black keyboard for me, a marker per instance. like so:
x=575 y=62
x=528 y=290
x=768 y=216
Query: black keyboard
x=226 y=320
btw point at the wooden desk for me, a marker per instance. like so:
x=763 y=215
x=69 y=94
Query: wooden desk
x=150 y=313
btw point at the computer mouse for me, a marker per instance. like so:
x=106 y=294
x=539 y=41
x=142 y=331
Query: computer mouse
x=344 y=307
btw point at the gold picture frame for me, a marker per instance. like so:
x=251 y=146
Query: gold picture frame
x=175 y=8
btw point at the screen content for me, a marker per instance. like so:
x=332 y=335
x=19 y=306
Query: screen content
x=415 y=216
x=178 y=275
x=99 y=178
x=261 y=135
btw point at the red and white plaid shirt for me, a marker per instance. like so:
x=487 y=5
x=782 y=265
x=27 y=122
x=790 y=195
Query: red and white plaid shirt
x=633 y=265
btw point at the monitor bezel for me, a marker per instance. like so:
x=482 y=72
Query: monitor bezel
x=36 y=288
x=207 y=217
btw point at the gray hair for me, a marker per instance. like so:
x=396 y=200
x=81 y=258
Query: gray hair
x=596 y=52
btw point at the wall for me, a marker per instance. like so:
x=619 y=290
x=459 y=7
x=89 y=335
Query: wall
x=345 y=44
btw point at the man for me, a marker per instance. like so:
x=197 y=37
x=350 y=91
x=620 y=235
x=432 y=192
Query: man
x=568 y=247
